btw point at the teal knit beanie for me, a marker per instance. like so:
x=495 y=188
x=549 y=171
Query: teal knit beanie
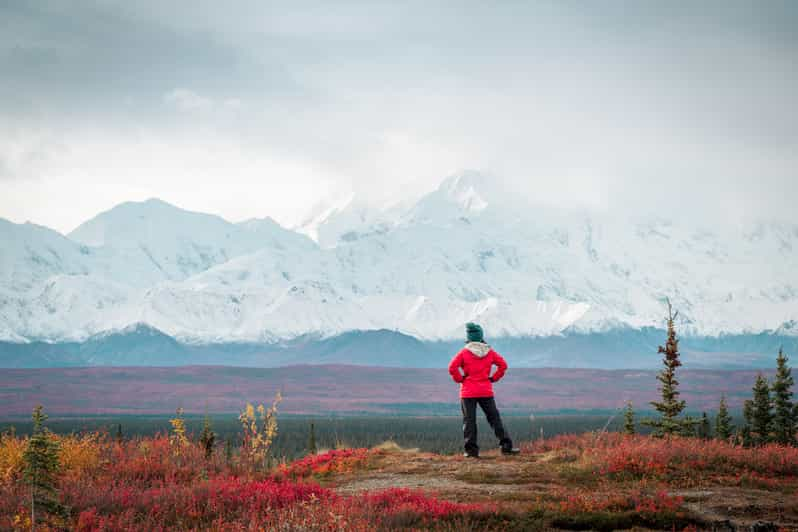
x=474 y=333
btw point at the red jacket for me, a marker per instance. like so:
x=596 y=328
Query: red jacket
x=475 y=379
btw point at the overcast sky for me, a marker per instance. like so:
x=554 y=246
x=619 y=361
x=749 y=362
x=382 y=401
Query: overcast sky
x=252 y=109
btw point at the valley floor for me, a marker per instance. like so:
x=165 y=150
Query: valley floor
x=345 y=390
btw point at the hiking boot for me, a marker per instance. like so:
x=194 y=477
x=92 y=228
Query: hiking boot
x=511 y=451
x=470 y=455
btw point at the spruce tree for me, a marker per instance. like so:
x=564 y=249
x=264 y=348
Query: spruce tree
x=746 y=439
x=758 y=412
x=228 y=450
x=670 y=408
x=629 y=419
x=207 y=437
x=704 y=428
x=41 y=469
x=723 y=424
x=119 y=436
x=689 y=427
x=312 y=440
x=784 y=420
x=748 y=415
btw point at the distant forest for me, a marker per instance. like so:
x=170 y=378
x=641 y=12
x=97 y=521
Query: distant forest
x=434 y=434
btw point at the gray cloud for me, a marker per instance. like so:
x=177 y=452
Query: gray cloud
x=607 y=104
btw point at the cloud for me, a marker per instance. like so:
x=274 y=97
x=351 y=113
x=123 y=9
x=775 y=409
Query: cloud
x=606 y=105
x=26 y=153
x=232 y=103
x=188 y=101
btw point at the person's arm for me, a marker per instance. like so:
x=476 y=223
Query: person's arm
x=454 y=368
x=501 y=367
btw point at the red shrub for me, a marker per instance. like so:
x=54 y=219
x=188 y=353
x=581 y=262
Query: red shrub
x=679 y=459
x=338 y=461
x=399 y=500
x=639 y=500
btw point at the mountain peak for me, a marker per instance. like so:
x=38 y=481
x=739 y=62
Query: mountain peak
x=134 y=220
x=465 y=178
x=158 y=241
x=460 y=195
x=150 y=204
x=332 y=217
x=466 y=189
x=156 y=201
x=259 y=223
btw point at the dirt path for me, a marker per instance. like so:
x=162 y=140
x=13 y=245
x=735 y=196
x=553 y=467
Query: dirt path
x=455 y=478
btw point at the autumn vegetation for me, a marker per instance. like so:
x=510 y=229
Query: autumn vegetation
x=98 y=482
x=102 y=483
x=166 y=482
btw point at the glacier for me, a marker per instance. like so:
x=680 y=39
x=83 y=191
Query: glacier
x=471 y=250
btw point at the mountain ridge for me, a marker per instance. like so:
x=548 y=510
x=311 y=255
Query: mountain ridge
x=623 y=348
x=470 y=250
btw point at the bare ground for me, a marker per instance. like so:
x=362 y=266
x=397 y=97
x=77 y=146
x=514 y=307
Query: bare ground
x=522 y=482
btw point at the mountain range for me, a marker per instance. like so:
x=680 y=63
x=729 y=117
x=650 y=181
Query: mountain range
x=559 y=286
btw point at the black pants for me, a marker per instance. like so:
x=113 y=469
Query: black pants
x=488 y=405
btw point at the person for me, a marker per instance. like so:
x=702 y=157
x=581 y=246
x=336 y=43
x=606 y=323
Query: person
x=471 y=368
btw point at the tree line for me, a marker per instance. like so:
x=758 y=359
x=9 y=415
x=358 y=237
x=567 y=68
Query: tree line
x=770 y=416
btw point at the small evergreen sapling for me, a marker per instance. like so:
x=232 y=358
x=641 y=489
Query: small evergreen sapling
x=784 y=419
x=758 y=412
x=690 y=427
x=312 y=449
x=228 y=450
x=704 y=428
x=629 y=419
x=41 y=469
x=207 y=437
x=723 y=423
x=746 y=436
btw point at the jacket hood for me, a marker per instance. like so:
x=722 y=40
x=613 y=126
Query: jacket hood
x=479 y=349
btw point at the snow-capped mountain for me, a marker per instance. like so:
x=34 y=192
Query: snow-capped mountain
x=156 y=241
x=472 y=249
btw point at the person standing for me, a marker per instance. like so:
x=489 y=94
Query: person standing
x=471 y=368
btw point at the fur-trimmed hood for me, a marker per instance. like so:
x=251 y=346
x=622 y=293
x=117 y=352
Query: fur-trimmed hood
x=479 y=349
